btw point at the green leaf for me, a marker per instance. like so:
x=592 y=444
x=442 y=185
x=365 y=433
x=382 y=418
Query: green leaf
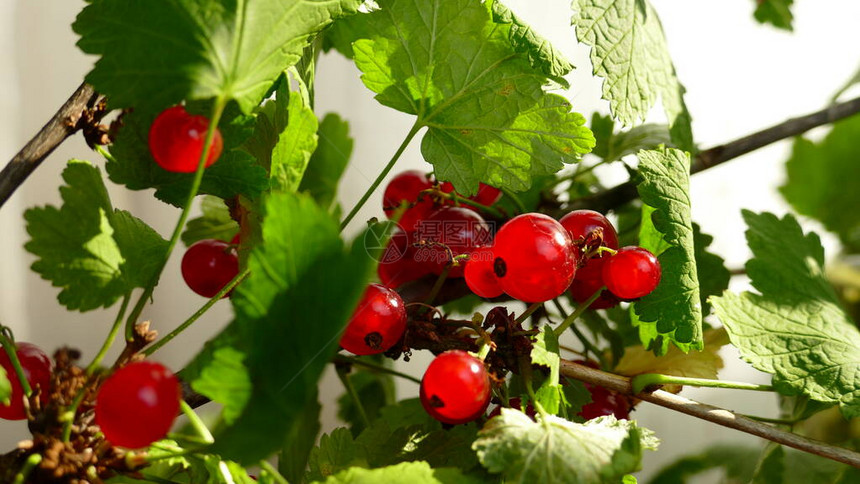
x=329 y=161
x=612 y=146
x=215 y=223
x=235 y=172
x=629 y=52
x=293 y=459
x=230 y=50
x=94 y=253
x=738 y=463
x=487 y=117
x=814 y=169
x=556 y=450
x=770 y=467
x=774 y=12
x=295 y=273
x=541 y=54
x=296 y=142
x=5 y=387
x=375 y=390
x=404 y=473
x=545 y=353
x=225 y=380
x=713 y=276
x=674 y=309
x=337 y=451
x=795 y=329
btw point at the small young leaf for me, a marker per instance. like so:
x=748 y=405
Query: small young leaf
x=95 y=253
x=629 y=51
x=674 y=308
x=232 y=50
x=556 y=450
x=814 y=169
x=215 y=223
x=328 y=161
x=488 y=118
x=545 y=353
x=796 y=329
x=774 y=12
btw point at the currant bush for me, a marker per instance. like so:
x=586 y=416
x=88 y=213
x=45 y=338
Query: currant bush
x=176 y=140
x=455 y=388
x=377 y=323
x=37 y=370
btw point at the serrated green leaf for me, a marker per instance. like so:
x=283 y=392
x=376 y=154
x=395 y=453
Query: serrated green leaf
x=337 y=451
x=404 y=473
x=815 y=169
x=226 y=381
x=328 y=161
x=545 y=353
x=713 y=275
x=215 y=223
x=629 y=51
x=296 y=142
x=235 y=172
x=556 y=450
x=796 y=329
x=5 y=387
x=296 y=450
x=94 y=253
x=774 y=12
x=230 y=50
x=542 y=54
x=674 y=308
x=487 y=117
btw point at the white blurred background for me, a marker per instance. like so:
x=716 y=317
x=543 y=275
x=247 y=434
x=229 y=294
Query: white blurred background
x=740 y=77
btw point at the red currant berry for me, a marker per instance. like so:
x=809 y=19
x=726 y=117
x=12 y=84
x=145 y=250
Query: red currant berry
x=583 y=225
x=400 y=263
x=460 y=230
x=137 y=404
x=37 y=370
x=631 y=273
x=479 y=274
x=176 y=140
x=455 y=388
x=377 y=323
x=407 y=186
x=535 y=259
x=589 y=279
x=209 y=265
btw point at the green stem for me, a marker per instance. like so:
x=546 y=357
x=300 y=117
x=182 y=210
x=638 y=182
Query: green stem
x=526 y=374
x=437 y=286
x=194 y=317
x=350 y=389
x=528 y=312
x=577 y=313
x=266 y=466
x=586 y=343
x=373 y=366
x=517 y=202
x=484 y=351
x=778 y=421
x=102 y=151
x=640 y=382
x=214 y=119
x=196 y=423
x=9 y=347
x=458 y=199
x=31 y=463
x=381 y=176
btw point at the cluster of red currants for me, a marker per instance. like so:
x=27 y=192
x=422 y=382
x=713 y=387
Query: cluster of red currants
x=135 y=406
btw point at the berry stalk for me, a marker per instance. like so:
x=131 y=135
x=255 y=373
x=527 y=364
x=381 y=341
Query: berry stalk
x=215 y=117
x=9 y=346
x=641 y=382
x=577 y=313
x=380 y=177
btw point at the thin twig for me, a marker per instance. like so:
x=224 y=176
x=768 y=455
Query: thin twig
x=710 y=413
x=626 y=192
x=62 y=125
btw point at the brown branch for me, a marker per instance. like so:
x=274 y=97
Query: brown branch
x=710 y=413
x=626 y=192
x=62 y=125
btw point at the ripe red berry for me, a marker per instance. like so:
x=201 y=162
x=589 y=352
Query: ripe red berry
x=209 y=265
x=460 y=230
x=176 y=140
x=137 y=404
x=400 y=262
x=631 y=273
x=535 y=259
x=589 y=279
x=377 y=323
x=479 y=274
x=407 y=186
x=455 y=388
x=37 y=370
x=583 y=225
